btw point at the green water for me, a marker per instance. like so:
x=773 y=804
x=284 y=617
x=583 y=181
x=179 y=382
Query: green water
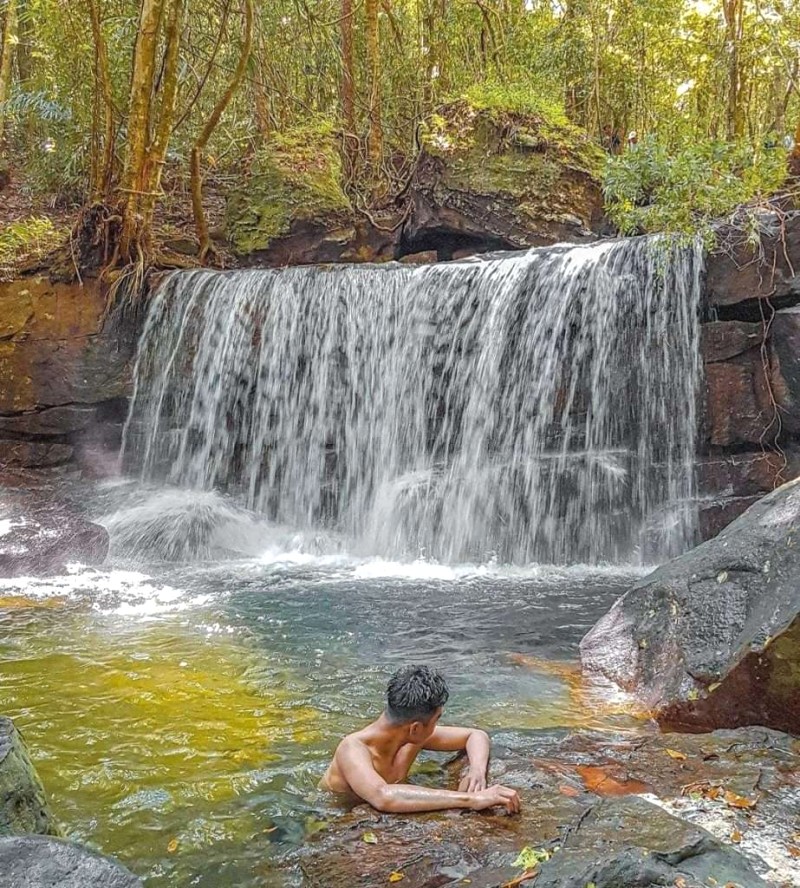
x=180 y=716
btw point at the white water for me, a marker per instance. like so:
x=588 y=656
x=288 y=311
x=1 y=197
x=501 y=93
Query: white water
x=533 y=407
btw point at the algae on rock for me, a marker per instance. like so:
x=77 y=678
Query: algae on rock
x=295 y=177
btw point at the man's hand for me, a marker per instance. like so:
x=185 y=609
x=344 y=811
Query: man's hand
x=474 y=781
x=494 y=797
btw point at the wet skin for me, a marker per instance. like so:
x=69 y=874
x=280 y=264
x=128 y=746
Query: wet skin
x=372 y=765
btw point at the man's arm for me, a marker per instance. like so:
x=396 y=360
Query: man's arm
x=477 y=746
x=356 y=766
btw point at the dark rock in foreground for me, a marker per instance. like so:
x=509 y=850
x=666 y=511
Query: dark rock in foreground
x=581 y=802
x=23 y=805
x=712 y=639
x=43 y=862
x=43 y=540
x=632 y=843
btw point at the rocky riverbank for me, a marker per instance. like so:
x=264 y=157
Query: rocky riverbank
x=609 y=809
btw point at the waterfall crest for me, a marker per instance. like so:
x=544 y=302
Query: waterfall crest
x=531 y=407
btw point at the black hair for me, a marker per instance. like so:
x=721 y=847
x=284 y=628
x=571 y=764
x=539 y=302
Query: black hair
x=415 y=693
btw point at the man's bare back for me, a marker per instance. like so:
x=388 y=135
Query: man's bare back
x=373 y=764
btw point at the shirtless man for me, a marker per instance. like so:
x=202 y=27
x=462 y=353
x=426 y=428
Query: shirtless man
x=373 y=763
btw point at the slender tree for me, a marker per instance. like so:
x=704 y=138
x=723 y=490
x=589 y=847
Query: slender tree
x=374 y=105
x=201 y=225
x=7 y=46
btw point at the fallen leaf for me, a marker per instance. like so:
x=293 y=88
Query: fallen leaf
x=396 y=877
x=680 y=882
x=598 y=780
x=530 y=857
x=675 y=754
x=737 y=801
x=713 y=686
x=736 y=837
x=793 y=850
x=173 y=846
x=370 y=838
x=694 y=694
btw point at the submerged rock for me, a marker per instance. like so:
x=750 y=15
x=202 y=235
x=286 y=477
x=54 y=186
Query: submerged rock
x=44 y=862
x=40 y=538
x=712 y=638
x=23 y=804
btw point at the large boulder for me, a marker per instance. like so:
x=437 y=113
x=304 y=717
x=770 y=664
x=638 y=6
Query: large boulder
x=741 y=269
x=23 y=804
x=44 y=862
x=712 y=638
x=41 y=538
x=629 y=842
x=502 y=177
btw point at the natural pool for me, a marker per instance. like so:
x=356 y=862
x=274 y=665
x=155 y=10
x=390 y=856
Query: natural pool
x=180 y=715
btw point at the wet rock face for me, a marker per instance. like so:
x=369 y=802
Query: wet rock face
x=43 y=862
x=740 y=271
x=65 y=380
x=629 y=842
x=39 y=538
x=23 y=805
x=582 y=803
x=712 y=638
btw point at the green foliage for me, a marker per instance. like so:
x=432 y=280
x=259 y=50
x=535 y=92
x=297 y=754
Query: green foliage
x=27 y=239
x=518 y=98
x=650 y=188
x=530 y=857
x=296 y=175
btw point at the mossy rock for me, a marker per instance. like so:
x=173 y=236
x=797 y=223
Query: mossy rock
x=295 y=178
x=513 y=175
x=23 y=804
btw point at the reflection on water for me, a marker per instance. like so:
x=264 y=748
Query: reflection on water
x=180 y=714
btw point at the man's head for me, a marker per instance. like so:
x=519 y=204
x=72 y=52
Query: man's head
x=414 y=699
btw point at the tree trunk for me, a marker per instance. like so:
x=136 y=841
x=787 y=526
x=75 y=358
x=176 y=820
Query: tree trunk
x=102 y=168
x=260 y=94
x=202 y=140
x=157 y=151
x=375 y=127
x=135 y=234
x=734 y=27
x=7 y=44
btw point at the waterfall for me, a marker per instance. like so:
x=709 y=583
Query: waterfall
x=537 y=406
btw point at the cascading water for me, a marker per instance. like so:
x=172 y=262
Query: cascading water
x=529 y=407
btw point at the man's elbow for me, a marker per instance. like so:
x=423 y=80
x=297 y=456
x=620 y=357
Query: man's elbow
x=385 y=801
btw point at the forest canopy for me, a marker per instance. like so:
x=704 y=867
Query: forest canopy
x=131 y=103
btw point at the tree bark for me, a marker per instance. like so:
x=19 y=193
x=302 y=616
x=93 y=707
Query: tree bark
x=7 y=44
x=102 y=168
x=733 y=11
x=374 y=106
x=134 y=233
x=200 y=222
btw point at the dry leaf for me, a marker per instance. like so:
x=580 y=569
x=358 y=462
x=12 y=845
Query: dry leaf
x=676 y=754
x=396 y=877
x=173 y=846
x=370 y=838
x=680 y=882
x=736 y=837
x=737 y=801
x=793 y=850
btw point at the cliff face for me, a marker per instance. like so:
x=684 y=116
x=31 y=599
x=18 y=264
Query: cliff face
x=65 y=381
x=750 y=433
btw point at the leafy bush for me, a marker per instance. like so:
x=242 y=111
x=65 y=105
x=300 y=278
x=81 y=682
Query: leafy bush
x=26 y=239
x=650 y=189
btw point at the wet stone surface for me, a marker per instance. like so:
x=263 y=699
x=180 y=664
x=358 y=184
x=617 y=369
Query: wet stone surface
x=613 y=808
